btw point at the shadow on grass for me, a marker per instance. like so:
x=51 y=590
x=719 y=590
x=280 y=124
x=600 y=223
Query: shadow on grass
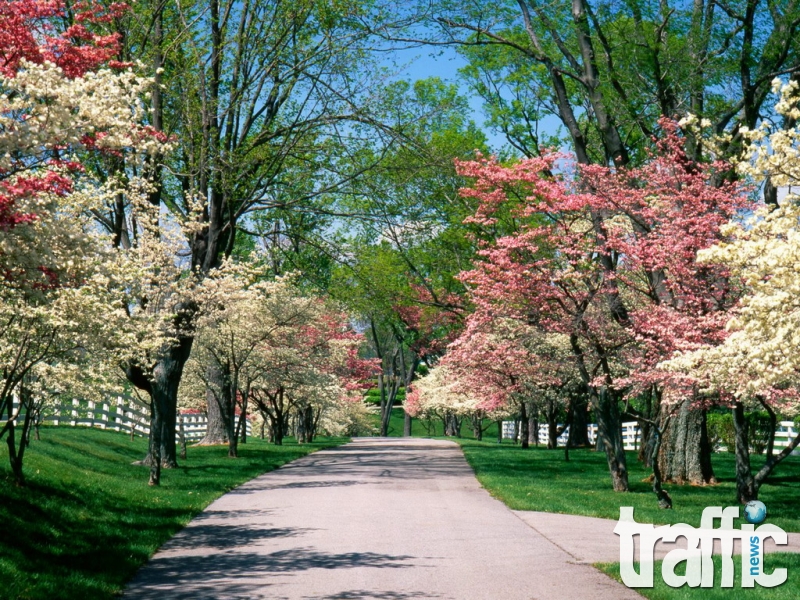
x=87 y=519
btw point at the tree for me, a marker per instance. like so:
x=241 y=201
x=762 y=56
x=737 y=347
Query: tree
x=610 y=71
x=439 y=394
x=290 y=353
x=756 y=363
x=268 y=101
x=514 y=369
x=59 y=276
x=624 y=288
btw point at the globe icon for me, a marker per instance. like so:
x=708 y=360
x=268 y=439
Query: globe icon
x=755 y=512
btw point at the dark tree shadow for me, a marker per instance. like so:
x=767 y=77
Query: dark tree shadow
x=228 y=536
x=375 y=594
x=225 y=574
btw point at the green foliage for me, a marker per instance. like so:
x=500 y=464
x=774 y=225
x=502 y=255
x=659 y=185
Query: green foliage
x=721 y=431
x=539 y=479
x=88 y=520
x=435 y=427
x=373 y=396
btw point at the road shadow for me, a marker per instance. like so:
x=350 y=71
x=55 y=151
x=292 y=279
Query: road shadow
x=221 y=536
x=375 y=594
x=242 y=574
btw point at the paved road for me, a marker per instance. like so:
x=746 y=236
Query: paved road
x=386 y=519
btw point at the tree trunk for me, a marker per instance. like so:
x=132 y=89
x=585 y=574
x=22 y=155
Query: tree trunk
x=217 y=390
x=163 y=388
x=477 y=426
x=241 y=423
x=746 y=488
x=579 y=427
x=452 y=425
x=499 y=432
x=406 y=425
x=524 y=425
x=664 y=500
x=533 y=429
x=552 y=428
x=609 y=438
x=685 y=455
x=182 y=437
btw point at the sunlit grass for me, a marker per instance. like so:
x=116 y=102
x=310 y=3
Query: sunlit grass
x=790 y=590
x=540 y=479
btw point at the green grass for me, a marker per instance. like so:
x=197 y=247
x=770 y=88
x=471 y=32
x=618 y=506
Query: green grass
x=539 y=479
x=661 y=591
x=87 y=519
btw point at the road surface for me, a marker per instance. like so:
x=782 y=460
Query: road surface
x=378 y=518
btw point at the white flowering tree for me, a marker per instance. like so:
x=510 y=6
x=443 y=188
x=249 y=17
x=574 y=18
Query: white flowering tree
x=291 y=354
x=441 y=395
x=62 y=294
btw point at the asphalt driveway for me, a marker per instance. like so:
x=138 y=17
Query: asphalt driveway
x=377 y=518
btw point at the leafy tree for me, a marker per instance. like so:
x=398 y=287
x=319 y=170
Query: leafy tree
x=268 y=102
x=624 y=289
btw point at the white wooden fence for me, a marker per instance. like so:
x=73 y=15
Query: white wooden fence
x=122 y=414
x=784 y=434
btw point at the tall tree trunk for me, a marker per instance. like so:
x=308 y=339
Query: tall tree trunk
x=524 y=433
x=452 y=425
x=163 y=390
x=579 y=427
x=685 y=455
x=746 y=488
x=182 y=436
x=241 y=423
x=406 y=424
x=609 y=435
x=477 y=425
x=217 y=406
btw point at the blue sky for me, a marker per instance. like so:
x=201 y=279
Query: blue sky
x=420 y=63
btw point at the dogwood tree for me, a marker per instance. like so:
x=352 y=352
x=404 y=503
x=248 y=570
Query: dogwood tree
x=62 y=294
x=606 y=257
x=441 y=395
x=757 y=364
x=291 y=354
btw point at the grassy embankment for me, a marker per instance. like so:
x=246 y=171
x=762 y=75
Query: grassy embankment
x=88 y=520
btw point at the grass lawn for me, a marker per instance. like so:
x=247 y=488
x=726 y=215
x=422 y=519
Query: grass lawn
x=539 y=479
x=88 y=520
x=660 y=591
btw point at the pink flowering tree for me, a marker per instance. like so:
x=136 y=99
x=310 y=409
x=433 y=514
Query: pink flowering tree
x=606 y=258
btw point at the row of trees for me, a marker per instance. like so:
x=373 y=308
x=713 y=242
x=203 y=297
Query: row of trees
x=272 y=136
x=638 y=290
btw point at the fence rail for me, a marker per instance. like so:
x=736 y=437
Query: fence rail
x=784 y=434
x=123 y=414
